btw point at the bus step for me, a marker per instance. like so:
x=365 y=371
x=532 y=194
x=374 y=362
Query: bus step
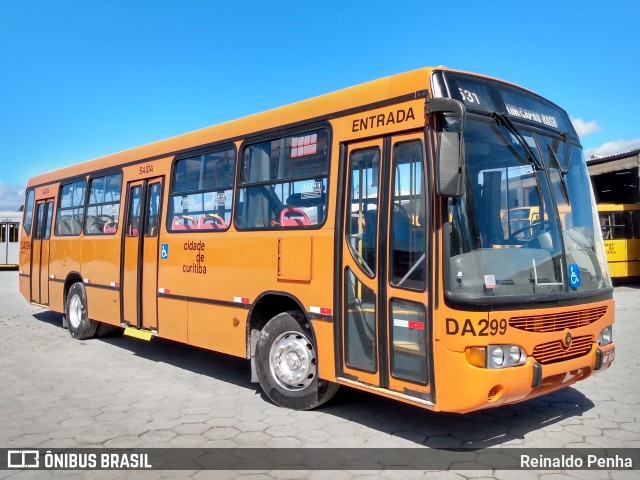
x=142 y=334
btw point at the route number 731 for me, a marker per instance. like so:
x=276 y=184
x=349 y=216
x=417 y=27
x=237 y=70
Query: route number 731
x=469 y=96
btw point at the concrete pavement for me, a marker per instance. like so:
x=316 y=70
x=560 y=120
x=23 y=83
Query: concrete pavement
x=123 y=392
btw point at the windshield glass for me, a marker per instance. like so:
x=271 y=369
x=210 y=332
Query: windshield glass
x=505 y=237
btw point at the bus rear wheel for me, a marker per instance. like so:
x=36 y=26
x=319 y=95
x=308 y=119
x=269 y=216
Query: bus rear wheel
x=80 y=327
x=286 y=364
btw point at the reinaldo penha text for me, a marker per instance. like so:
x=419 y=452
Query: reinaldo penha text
x=589 y=461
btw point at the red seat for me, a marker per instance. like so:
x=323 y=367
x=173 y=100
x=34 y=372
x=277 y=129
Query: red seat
x=211 y=221
x=294 y=217
x=110 y=228
x=183 y=222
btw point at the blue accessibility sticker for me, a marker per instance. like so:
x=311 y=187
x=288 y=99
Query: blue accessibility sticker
x=164 y=251
x=574 y=275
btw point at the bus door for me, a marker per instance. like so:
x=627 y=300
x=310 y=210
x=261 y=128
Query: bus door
x=140 y=254
x=40 y=252
x=384 y=325
x=4 y=244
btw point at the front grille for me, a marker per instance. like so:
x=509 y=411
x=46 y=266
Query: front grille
x=552 y=352
x=558 y=322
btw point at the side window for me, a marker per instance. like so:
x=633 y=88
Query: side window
x=283 y=182
x=133 y=221
x=202 y=193
x=70 y=210
x=364 y=172
x=14 y=232
x=103 y=207
x=408 y=229
x=636 y=223
x=47 y=232
x=40 y=219
x=152 y=211
x=616 y=226
x=28 y=211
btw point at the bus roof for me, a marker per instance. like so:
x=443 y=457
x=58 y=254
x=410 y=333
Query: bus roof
x=325 y=106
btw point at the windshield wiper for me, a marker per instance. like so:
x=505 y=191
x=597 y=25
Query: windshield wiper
x=563 y=171
x=567 y=152
x=508 y=124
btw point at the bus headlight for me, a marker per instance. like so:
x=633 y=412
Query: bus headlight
x=606 y=336
x=501 y=356
x=496 y=356
x=515 y=353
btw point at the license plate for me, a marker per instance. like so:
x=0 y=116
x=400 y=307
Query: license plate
x=608 y=357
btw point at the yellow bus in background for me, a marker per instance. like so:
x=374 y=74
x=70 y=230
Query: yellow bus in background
x=620 y=224
x=351 y=239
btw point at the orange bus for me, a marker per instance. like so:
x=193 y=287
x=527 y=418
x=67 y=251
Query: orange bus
x=351 y=239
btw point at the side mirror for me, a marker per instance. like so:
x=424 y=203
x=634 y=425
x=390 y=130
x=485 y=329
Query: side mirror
x=450 y=153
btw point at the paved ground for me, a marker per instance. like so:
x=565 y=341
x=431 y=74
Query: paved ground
x=122 y=392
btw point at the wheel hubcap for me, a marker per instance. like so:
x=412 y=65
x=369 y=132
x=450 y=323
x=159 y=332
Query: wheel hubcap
x=75 y=311
x=292 y=361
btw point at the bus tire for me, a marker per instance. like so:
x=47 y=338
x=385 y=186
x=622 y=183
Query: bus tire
x=80 y=327
x=286 y=364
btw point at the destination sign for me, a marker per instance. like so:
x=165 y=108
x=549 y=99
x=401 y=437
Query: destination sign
x=490 y=95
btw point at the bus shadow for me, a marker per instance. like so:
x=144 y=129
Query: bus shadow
x=52 y=318
x=483 y=429
x=422 y=428
x=631 y=282
x=216 y=365
x=227 y=368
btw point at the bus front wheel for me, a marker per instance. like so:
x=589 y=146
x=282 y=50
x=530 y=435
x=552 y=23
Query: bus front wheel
x=80 y=327
x=287 y=364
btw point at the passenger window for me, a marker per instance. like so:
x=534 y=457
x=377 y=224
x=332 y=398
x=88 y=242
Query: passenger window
x=103 y=209
x=70 y=210
x=616 y=226
x=284 y=182
x=202 y=193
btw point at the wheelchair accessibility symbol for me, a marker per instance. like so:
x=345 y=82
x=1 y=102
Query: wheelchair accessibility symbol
x=574 y=275
x=164 y=251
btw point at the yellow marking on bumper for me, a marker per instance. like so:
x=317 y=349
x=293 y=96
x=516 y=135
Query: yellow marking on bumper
x=134 y=332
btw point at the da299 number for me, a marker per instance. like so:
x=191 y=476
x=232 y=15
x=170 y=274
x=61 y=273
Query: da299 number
x=484 y=327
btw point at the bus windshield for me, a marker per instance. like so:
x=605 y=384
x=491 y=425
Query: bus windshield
x=525 y=224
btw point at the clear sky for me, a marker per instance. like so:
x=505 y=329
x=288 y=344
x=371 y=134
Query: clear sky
x=80 y=79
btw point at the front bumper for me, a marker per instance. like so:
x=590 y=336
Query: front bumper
x=464 y=387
